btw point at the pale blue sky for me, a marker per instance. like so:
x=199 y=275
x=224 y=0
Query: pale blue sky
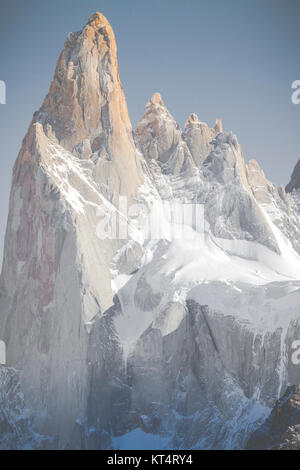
x=234 y=59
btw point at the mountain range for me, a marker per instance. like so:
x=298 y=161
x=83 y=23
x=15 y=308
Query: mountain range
x=179 y=334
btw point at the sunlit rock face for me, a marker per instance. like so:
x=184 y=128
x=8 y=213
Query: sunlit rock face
x=86 y=111
x=181 y=339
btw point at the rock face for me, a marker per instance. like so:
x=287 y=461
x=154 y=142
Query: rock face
x=199 y=136
x=281 y=430
x=237 y=210
x=295 y=179
x=85 y=109
x=159 y=138
x=183 y=333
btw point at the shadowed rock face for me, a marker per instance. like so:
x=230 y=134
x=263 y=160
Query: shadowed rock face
x=159 y=137
x=295 y=179
x=282 y=428
x=203 y=376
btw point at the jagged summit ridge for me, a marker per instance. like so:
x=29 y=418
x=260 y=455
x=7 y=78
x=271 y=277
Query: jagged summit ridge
x=160 y=138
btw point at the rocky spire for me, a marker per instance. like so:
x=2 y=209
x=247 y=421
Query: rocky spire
x=85 y=109
x=295 y=179
x=218 y=127
x=159 y=138
x=156 y=99
x=198 y=137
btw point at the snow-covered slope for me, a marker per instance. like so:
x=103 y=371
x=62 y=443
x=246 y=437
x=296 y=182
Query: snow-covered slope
x=181 y=324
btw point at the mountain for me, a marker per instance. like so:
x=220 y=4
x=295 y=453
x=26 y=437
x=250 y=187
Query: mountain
x=151 y=278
